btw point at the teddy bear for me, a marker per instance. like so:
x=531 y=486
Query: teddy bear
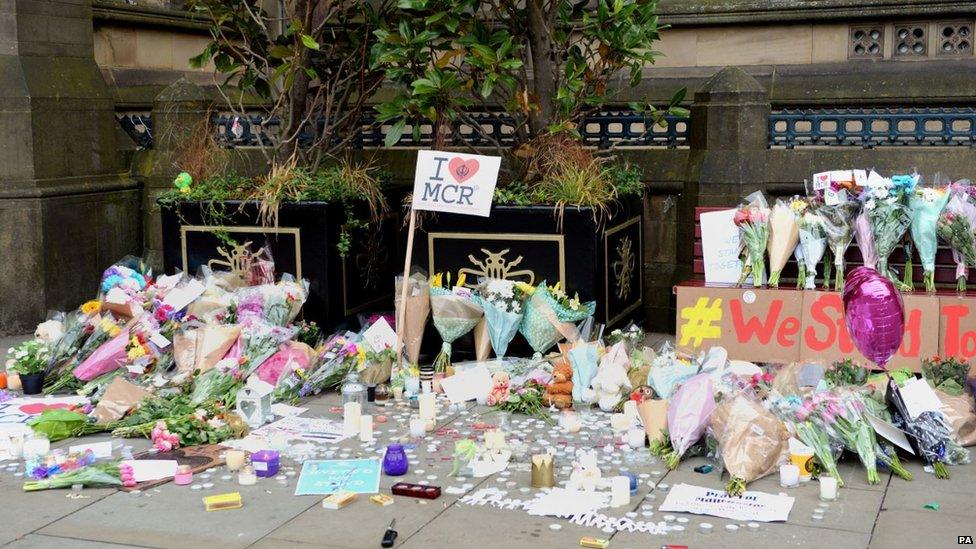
x=586 y=473
x=559 y=392
x=499 y=388
x=608 y=387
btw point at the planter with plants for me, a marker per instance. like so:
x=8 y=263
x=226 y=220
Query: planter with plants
x=563 y=212
x=29 y=360
x=332 y=228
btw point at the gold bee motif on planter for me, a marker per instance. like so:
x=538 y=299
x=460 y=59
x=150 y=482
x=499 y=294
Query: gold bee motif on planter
x=623 y=267
x=239 y=259
x=495 y=265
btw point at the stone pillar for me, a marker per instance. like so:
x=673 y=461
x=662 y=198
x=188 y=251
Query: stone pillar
x=177 y=113
x=728 y=136
x=66 y=211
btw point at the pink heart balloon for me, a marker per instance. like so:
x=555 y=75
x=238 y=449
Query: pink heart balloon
x=874 y=313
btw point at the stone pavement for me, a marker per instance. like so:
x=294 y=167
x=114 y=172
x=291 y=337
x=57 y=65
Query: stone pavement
x=888 y=515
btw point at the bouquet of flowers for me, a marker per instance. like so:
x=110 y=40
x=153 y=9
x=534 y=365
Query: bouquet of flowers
x=838 y=221
x=813 y=244
x=277 y=304
x=751 y=440
x=752 y=219
x=688 y=417
x=885 y=206
x=668 y=371
x=925 y=206
x=95 y=475
x=414 y=318
x=929 y=433
x=631 y=336
x=502 y=301
x=956 y=227
x=884 y=450
x=784 y=234
x=796 y=412
x=946 y=374
x=846 y=410
x=130 y=274
x=455 y=313
x=865 y=240
x=259 y=342
x=549 y=315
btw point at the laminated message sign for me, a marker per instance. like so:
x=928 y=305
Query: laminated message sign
x=455 y=182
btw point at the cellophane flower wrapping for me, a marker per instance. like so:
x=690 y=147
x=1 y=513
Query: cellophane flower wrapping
x=416 y=313
x=668 y=371
x=751 y=440
x=504 y=303
x=930 y=433
x=689 y=411
x=957 y=228
x=865 y=240
x=583 y=358
x=885 y=204
x=455 y=313
x=277 y=304
x=839 y=228
x=110 y=356
x=546 y=320
x=784 y=234
x=813 y=243
x=925 y=206
x=291 y=356
x=752 y=219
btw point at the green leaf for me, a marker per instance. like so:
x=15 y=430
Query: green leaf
x=487 y=88
x=395 y=133
x=310 y=42
x=280 y=52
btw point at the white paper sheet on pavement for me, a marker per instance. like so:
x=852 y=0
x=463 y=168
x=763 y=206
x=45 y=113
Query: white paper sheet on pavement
x=752 y=506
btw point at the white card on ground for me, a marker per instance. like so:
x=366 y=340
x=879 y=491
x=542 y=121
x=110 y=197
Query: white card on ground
x=380 y=335
x=919 y=397
x=467 y=385
x=99 y=449
x=144 y=470
x=179 y=298
x=754 y=506
x=890 y=432
x=283 y=410
x=560 y=502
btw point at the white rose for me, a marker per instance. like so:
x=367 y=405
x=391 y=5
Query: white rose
x=50 y=331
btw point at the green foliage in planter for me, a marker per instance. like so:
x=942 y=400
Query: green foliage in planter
x=30 y=357
x=593 y=186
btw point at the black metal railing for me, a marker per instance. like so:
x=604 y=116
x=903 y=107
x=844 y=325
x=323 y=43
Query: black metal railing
x=607 y=128
x=873 y=127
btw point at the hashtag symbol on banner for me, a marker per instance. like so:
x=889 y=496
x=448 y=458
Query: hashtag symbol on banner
x=699 y=321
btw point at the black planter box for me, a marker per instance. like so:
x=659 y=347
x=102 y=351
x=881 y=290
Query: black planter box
x=601 y=257
x=303 y=244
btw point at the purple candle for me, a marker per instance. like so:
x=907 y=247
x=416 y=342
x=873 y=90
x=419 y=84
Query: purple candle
x=395 y=461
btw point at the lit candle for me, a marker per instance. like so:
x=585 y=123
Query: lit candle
x=366 y=428
x=789 y=475
x=417 y=426
x=247 y=476
x=630 y=410
x=426 y=401
x=620 y=422
x=828 y=488
x=351 y=413
x=619 y=491
x=635 y=437
x=235 y=459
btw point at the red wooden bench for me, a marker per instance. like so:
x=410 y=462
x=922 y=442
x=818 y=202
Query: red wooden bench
x=945 y=267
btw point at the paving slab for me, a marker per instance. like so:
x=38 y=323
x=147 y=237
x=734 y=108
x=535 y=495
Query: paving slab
x=38 y=541
x=26 y=512
x=922 y=528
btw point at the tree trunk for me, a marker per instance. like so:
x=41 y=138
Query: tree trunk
x=543 y=66
x=298 y=94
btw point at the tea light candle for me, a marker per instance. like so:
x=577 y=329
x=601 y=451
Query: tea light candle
x=619 y=491
x=789 y=476
x=398 y=393
x=418 y=427
x=13 y=382
x=635 y=437
x=184 y=475
x=619 y=422
x=16 y=446
x=351 y=414
x=247 y=476
x=366 y=428
x=426 y=401
x=494 y=439
x=235 y=459
x=411 y=385
x=630 y=410
x=828 y=488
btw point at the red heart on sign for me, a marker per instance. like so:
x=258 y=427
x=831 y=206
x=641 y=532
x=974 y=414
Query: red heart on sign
x=461 y=169
x=35 y=409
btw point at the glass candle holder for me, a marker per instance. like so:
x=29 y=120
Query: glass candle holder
x=395 y=461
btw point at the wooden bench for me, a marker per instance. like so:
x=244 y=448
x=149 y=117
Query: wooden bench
x=945 y=267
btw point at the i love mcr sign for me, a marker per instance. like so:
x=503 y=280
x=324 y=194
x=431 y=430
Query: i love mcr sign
x=455 y=182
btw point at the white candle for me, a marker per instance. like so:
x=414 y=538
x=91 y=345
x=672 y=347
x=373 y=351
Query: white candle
x=16 y=446
x=828 y=488
x=234 y=459
x=789 y=475
x=635 y=438
x=351 y=413
x=366 y=428
x=619 y=422
x=426 y=401
x=36 y=447
x=619 y=491
x=247 y=476
x=411 y=385
x=418 y=426
x=630 y=410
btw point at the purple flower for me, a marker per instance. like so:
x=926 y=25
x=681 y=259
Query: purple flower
x=5 y=395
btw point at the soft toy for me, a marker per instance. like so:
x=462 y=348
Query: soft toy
x=586 y=473
x=608 y=386
x=559 y=392
x=499 y=388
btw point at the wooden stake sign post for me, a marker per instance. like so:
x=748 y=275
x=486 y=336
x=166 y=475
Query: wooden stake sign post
x=446 y=182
